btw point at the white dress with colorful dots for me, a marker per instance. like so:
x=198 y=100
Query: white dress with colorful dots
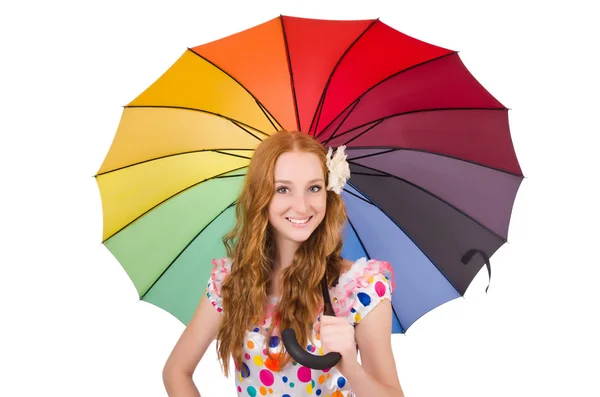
x=358 y=291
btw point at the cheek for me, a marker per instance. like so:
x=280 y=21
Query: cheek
x=276 y=207
x=320 y=204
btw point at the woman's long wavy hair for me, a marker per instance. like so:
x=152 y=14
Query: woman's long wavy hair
x=251 y=247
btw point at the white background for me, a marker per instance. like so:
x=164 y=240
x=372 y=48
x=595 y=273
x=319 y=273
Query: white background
x=72 y=323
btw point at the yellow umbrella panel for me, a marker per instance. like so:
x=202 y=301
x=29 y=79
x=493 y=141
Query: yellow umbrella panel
x=172 y=174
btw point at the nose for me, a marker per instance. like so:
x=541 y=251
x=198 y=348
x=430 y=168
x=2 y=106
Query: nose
x=300 y=204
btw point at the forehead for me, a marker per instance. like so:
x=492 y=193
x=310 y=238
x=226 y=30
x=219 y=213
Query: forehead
x=298 y=167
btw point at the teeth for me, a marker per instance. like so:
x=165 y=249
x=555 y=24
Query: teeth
x=298 y=221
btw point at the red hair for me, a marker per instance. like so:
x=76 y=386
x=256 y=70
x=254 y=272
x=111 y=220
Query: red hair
x=251 y=248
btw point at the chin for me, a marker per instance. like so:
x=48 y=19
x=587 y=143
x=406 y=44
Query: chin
x=299 y=238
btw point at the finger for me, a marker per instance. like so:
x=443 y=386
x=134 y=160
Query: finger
x=334 y=319
x=326 y=319
x=332 y=332
x=331 y=320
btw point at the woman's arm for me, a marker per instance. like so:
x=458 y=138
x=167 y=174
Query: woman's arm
x=189 y=350
x=365 y=384
x=180 y=384
x=377 y=376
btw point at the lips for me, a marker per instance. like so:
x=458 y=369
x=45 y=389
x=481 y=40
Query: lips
x=299 y=221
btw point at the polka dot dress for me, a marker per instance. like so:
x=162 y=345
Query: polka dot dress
x=359 y=290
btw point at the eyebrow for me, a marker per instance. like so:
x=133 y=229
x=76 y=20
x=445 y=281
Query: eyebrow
x=290 y=182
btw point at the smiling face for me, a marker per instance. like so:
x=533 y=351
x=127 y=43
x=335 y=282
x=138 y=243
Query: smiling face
x=299 y=198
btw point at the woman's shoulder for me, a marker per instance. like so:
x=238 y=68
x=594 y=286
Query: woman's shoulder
x=361 y=286
x=221 y=268
x=363 y=267
x=222 y=264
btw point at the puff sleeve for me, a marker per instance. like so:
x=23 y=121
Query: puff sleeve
x=220 y=271
x=361 y=288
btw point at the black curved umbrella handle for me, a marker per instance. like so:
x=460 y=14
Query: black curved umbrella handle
x=288 y=336
x=303 y=357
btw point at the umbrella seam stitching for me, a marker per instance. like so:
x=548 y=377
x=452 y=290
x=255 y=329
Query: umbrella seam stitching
x=317 y=115
x=240 y=84
x=396 y=148
x=169 y=198
x=356 y=102
x=196 y=110
x=289 y=64
x=384 y=80
x=388 y=175
x=185 y=248
x=369 y=256
x=172 y=155
x=412 y=240
x=382 y=119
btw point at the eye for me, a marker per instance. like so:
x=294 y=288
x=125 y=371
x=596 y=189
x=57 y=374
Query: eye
x=315 y=188
x=282 y=189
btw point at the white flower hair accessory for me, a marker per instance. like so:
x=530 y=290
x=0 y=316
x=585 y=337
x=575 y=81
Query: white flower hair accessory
x=339 y=170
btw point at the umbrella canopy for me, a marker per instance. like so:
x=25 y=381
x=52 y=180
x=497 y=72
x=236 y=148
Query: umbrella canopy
x=434 y=172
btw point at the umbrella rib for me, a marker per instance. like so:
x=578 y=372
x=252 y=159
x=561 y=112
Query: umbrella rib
x=168 y=198
x=367 y=174
x=233 y=155
x=317 y=114
x=197 y=110
x=343 y=121
x=388 y=175
x=186 y=247
x=175 y=155
x=383 y=81
x=357 y=196
x=243 y=127
x=240 y=84
x=289 y=62
x=389 y=150
x=369 y=256
x=229 y=176
x=382 y=119
x=409 y=237
x=397 y=149
x=266 y=115
x=375 y=124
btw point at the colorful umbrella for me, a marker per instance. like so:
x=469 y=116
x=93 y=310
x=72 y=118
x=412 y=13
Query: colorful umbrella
x=434 y=172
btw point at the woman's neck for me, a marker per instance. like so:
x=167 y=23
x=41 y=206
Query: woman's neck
x=285 y=253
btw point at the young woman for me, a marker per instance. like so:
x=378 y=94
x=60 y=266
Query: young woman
x=290 y=218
